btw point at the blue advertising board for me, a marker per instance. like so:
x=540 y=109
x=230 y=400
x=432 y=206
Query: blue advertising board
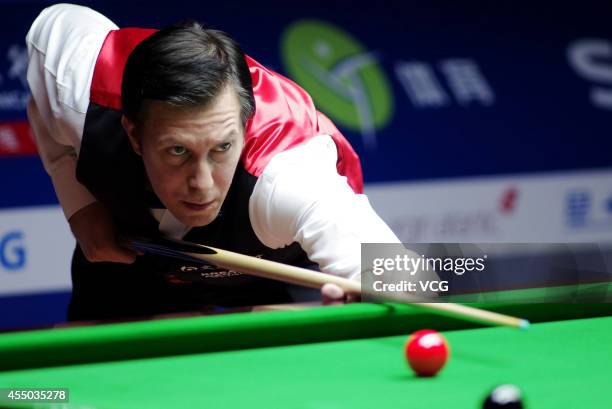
x=440 y=90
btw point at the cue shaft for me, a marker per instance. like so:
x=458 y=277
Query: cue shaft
x=314 y=279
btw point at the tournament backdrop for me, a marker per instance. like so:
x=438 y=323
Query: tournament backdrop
x=475 y=121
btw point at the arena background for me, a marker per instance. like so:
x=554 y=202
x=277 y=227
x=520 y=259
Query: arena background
x=475 y=121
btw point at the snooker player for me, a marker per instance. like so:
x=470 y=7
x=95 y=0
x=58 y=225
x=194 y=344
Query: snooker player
x=178 y=133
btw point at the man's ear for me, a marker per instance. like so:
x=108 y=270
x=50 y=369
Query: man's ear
x=130 y=130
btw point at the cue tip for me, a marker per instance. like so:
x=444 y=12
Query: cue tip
x=524 y=324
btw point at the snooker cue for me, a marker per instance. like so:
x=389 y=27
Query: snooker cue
x=314 y=279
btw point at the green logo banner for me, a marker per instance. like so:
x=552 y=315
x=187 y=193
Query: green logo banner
x=344 y=79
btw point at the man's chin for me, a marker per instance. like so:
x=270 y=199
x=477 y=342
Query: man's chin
x=196 y=219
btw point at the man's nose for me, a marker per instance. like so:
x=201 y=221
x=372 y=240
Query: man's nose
x=200 y=177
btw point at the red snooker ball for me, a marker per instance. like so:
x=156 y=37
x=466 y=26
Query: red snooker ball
x=426 y=352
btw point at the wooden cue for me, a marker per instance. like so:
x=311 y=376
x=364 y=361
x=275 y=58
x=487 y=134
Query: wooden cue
x=314 y=279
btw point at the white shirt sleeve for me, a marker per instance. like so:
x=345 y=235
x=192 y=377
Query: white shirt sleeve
x=300 y=197
x=63 y=45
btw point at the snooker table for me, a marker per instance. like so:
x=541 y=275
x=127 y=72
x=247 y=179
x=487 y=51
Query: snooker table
x=347 y=356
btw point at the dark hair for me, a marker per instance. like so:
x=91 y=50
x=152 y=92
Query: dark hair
x=185 y=65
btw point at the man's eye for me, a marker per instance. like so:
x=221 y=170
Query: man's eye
x=177 y=150
x=223 y=147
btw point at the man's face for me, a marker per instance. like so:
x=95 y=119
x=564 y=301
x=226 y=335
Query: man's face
x=190 y=154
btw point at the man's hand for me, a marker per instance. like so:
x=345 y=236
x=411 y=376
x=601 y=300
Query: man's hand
x=94 y=230
x=333 y=294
